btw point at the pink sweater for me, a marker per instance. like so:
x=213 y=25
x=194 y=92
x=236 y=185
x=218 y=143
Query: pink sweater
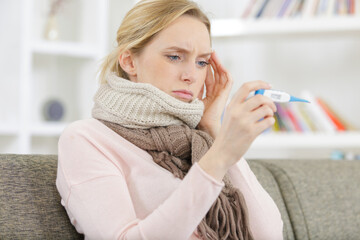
x=111 y=189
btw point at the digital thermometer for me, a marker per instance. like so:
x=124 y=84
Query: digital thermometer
x=279 y=96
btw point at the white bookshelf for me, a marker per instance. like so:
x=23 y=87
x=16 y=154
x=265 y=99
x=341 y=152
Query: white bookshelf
x=259 y=38
x=308 y=140
x=304 y=146
x=9 y=130
x=237 y=27
x=47 y=129
x=62 y=69
x=71 y=49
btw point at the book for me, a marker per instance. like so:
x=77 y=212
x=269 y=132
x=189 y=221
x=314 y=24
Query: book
x=298 y=12
x=352 y=7
x=272 y=8
x=303 y=123
x=248 y=9
x=322 y=7
x=339 y=125
x=256 y=8
x=290 y=8
x=357 y=7
x=279 y=124
x=308 y=8
x=307 y=119
x=316 y=114
x=285 y=119
x=294 y=120
x=341 y=7
x=283 y=8
x=348 y=126
x=276 y=126
x=261 y=10
x=330 y=11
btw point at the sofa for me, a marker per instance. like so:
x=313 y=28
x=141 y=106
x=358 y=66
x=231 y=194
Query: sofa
x=318 y=199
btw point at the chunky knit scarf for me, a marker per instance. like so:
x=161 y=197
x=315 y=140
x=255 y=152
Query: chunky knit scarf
x=141 y=105
x=174 y=147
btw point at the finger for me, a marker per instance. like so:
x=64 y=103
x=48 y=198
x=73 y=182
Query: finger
x=249 y=87
x=215 y=60
x=225 y=76
x=261 y=113
x=209 y=81
x=258 y=101
x=264 y=124
x=222 y=76
x=215 y=63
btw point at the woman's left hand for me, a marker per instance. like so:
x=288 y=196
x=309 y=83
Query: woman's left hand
x=218 y=85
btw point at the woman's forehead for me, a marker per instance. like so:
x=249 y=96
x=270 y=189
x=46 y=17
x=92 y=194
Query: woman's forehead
x=187 y=33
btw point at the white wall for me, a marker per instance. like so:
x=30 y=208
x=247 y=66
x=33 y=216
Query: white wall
x=9 y=58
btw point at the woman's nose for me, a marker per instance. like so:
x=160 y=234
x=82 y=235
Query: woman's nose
x=188 y=75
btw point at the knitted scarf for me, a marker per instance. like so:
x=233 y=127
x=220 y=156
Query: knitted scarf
x=141 y=105
x=174 y=147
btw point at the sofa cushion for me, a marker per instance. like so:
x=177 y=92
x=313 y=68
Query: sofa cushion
x=29 y=202
x=269 y=183
x=322 y=197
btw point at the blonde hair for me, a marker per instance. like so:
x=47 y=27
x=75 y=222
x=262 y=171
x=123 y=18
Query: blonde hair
x=142 y=23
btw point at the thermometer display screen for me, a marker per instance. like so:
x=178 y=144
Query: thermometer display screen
x=275 y=96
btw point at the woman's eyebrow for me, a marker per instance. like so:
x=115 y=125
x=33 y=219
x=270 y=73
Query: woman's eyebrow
x=180 y=49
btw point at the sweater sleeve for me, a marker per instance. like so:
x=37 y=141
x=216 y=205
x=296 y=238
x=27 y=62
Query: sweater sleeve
x=264 y=216
x=96 y=196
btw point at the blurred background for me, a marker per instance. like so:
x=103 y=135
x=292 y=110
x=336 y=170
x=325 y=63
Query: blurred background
x=51 y=50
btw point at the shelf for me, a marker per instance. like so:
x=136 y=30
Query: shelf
x=71 y=49
x=238 y=27
x=307 y=140
x=8 y=130
x=48 y=129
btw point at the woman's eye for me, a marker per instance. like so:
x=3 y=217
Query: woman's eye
x=203 y=63
x=173 y=57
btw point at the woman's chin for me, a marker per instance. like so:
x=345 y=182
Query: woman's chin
x=183 y=99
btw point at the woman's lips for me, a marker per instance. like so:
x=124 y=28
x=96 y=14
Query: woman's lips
x=184 y=94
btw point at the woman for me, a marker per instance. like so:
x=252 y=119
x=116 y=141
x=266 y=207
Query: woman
x=155 y=162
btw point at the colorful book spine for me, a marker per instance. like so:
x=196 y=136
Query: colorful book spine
x=248 y=9
x=261 y=10
x=300 y=8
x=307 y=119
x=321 y=120
x=288 y=125
x=293 y=119
x=276 y=126
x=357 y=7
x=339 y=125
x=303 y=124
x=283 y=8
x=280 y=126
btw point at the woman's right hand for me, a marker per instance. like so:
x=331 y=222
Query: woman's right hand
x=243 y=121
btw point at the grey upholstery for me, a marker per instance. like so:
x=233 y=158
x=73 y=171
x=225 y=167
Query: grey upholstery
x=30 y=205
x=322 y=197
x=318 y=199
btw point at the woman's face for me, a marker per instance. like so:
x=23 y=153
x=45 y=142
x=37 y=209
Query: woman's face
x=176 y=60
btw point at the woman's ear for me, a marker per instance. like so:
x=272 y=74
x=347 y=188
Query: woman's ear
x=127 y=63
